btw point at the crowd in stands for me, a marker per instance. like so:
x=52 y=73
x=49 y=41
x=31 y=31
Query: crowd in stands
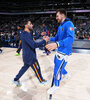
x=82 y=29
x=9 y=35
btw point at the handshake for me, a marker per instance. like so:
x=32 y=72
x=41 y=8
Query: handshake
x=46 y=38
x=50 y=46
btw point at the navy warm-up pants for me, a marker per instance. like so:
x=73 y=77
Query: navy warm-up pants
x=36 y=68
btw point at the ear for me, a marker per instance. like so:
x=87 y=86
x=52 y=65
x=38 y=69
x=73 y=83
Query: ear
x=63 y=15
x=25 y=25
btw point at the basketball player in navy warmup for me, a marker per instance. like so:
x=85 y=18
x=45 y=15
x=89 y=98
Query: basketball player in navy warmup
x=29 y=54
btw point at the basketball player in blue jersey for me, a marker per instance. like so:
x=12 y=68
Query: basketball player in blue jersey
x=63 y=43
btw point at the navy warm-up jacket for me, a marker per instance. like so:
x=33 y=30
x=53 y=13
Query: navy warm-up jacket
x=28 y=47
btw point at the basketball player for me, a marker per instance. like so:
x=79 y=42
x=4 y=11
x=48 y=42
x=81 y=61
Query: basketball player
x=63 y=43
x=19 y=30
x=29 y=54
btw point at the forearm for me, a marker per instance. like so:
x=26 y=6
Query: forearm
x=66 y=42
x=52 y=39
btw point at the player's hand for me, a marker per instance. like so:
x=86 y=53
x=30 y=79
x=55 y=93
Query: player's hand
x=43 y=33
x=46 y=38
x=51 y=46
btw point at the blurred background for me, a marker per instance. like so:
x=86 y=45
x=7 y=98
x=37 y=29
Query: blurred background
x=13 y=13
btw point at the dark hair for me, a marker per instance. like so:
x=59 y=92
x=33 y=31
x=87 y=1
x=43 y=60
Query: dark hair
x=61 y=11
x=24 y=23
x=43 y=23
x=19 y=26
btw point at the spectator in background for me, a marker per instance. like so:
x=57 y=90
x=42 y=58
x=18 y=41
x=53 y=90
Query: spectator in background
x=46 y=30
x=0 y=44
x=54 y=34
x=13 y=38
x=89 y=36
x=51 y=35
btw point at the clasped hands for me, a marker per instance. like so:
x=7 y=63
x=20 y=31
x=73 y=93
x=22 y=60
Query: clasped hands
x=50 y=46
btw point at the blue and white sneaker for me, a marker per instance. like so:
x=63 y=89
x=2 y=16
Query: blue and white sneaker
x=17 y=83
x=52 y=89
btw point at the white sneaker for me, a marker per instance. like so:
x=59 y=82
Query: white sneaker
x=44 y=82
x=52 y=89
x=65 y=77
x=17 y=83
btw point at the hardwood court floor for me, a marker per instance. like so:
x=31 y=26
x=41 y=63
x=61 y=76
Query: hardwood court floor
x=77 y=87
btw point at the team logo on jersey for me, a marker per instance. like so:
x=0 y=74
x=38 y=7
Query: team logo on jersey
x=61 y=29
x=71 y=28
